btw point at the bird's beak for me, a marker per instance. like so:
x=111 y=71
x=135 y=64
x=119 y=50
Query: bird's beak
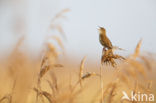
x=99 y=28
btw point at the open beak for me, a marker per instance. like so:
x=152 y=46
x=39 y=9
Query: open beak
x=99 y=28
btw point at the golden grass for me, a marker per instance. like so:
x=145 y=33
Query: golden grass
x=43 y=82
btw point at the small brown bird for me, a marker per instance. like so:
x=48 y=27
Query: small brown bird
x=104 y=40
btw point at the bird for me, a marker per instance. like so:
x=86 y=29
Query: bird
x=104 y=40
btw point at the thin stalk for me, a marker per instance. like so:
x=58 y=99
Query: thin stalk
x=101 y=83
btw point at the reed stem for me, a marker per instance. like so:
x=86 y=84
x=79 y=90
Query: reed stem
x=101 y=83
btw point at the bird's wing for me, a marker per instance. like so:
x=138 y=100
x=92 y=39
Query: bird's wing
x=108 y=43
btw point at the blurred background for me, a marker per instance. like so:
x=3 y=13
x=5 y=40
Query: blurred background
x=126 y=22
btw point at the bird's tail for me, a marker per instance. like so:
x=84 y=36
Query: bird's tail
x=118 y=48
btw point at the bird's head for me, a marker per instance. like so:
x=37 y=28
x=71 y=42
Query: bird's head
x=102 y=30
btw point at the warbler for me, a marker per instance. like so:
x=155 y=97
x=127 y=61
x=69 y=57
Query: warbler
x=104 y=40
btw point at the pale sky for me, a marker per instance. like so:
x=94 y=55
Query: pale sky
x=126 y=21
